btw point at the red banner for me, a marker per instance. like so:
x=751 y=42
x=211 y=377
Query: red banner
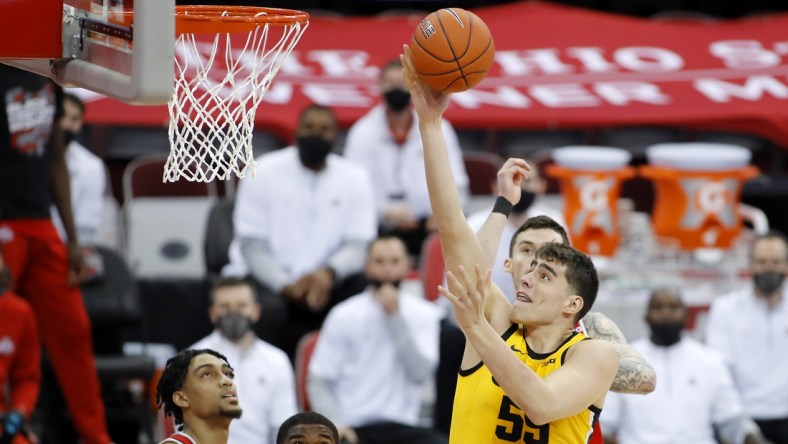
x=555 y=67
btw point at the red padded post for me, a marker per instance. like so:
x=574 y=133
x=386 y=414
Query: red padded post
x=34 y=27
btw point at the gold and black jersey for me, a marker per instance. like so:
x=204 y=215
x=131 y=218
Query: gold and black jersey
x=483 y=414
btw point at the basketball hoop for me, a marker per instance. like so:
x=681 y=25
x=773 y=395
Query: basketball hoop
x=218 y=87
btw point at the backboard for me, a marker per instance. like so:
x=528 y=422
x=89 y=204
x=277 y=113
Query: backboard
x=120 y=48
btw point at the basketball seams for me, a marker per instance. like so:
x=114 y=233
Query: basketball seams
x=481 y=54
x=441 y=61
x=470 y=35
x=423 y=48
x=446 y=36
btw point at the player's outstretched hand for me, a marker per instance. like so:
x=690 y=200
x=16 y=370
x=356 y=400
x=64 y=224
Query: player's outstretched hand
x=511 y=175
x=468 y=296
x=429 y=104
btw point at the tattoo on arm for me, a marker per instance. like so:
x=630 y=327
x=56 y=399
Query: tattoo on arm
x=635 y=375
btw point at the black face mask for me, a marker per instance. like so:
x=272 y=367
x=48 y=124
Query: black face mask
x=767 y=282
x=313 y=150
x=233 y=326
x=69 y=136
x=526 y=200
x=376 y=283
x=397 y=99
x=666 y=333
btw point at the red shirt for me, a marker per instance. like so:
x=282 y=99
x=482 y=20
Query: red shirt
x=20 y=355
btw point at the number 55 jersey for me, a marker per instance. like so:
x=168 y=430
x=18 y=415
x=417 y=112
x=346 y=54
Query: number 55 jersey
x=484 y=414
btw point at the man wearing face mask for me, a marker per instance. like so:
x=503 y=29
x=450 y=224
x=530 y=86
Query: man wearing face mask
x=375 y=352
x=695 y=396
x=301 y=229
x=386 y=142
x=528 y=206
x=263 y=373
x=749 y=327
x=86 y=172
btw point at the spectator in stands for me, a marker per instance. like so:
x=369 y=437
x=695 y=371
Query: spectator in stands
x=307 y=428
x=386 y=142
x=749 y=327
x=301 y=230
x=696 y=394
x=20 y=361
x=528 y=206
x=87 y=173
x=263 y=373
x=375 y=352
x=47 y=272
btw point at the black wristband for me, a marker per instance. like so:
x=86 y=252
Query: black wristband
x=503 y=206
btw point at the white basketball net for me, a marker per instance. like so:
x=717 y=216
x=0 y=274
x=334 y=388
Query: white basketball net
x=212 y=118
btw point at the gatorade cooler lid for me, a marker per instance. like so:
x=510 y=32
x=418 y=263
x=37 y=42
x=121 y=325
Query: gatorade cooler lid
x=698 y=156
x=594 y=158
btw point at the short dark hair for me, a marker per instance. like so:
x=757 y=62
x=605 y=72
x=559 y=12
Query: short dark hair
x=232 y=281
x=305 y=418
x=382 y=238
x=539 y=223
x=69 y=97
x=172 y=379
x=580 y=272
x=316 y=108
x=771 y=234
x=673 y=291
x=390 y=64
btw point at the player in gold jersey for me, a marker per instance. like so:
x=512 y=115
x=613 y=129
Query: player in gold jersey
x=553 y=295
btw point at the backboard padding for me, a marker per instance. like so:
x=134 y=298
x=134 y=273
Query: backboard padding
x=30 y=28
x=141 y=72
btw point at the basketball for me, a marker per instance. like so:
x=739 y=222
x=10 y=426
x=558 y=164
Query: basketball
x=452 y=50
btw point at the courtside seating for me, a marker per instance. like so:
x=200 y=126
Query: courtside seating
x=166 y=236
x=143 y=177
x=165 y=222
x=306 y=346
x=431 y=267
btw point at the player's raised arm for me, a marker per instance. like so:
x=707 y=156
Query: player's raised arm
x=458 y=241
x=509 y=178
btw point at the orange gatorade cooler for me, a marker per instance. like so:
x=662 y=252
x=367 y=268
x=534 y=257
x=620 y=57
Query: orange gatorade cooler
x=698 y=190
x=591 y=178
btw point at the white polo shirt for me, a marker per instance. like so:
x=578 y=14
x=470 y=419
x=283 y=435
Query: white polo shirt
x=501 y=278
x=357 y=354
x=266 y=388
x=694 y=390
x=304 y=215
x=88 y=181
x=399 y=169
x=753 y=339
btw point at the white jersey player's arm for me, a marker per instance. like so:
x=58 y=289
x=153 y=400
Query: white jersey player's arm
x=635 y=375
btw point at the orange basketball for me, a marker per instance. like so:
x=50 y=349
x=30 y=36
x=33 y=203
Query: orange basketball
x=452 y=50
